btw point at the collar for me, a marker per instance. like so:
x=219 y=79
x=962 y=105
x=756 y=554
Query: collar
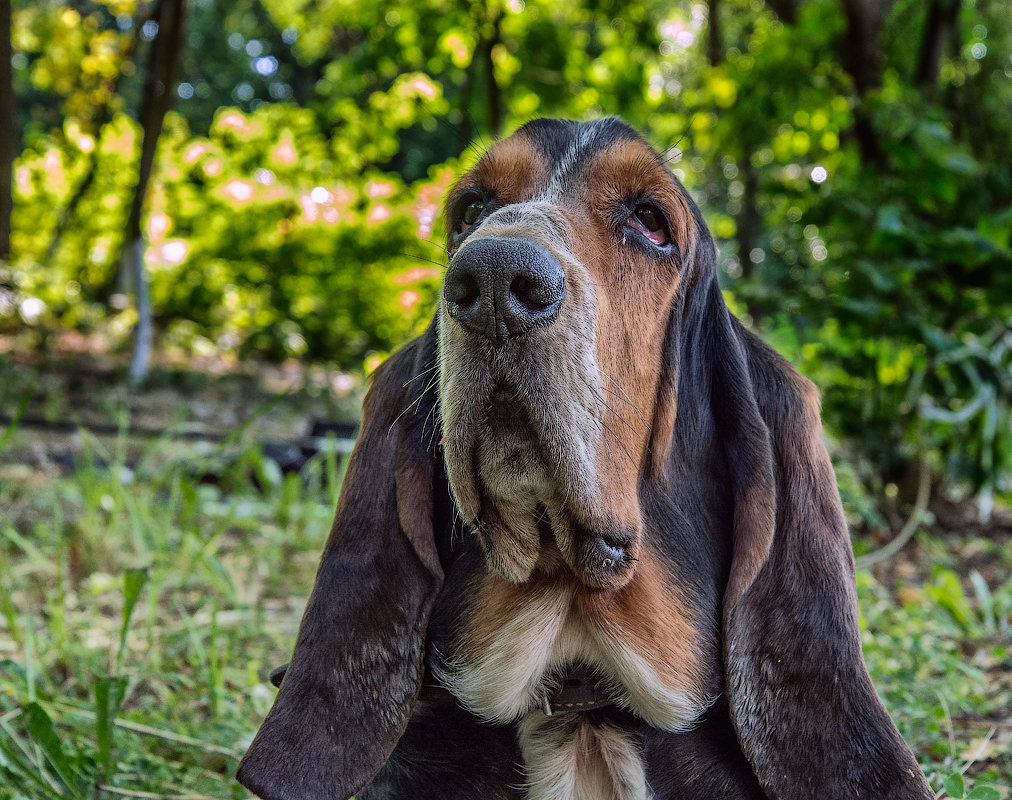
x=579 y=690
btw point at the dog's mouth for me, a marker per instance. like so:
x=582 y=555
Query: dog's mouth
x=506 y=412
x=508 y=456
x=520 y=462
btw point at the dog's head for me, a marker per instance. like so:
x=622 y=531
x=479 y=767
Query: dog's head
x=569 y=243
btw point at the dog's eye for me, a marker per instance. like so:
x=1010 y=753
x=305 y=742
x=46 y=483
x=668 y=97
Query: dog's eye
x=471 y=213
x=648 y=217
x=649 y=221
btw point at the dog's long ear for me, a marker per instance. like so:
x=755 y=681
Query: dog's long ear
x=357 y=666
x=806 y=714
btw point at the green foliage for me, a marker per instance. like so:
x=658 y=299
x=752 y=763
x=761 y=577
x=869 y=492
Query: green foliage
x=885 y=278
x=910 y=312
x=267 y=236
x=955 y=787
x=938 y=658
x=290 y=258
x=142 y=608
x=865 y=230
x=68 y=58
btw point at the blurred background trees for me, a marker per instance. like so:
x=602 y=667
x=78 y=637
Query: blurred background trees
x=853 y=158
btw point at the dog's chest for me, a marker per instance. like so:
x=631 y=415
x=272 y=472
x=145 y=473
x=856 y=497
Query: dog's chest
x=518 y=641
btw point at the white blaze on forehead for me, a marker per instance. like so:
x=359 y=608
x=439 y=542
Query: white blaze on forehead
x=571 y=160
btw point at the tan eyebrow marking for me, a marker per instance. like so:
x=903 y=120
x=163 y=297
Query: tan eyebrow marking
x=512 y=171
x=629 y=167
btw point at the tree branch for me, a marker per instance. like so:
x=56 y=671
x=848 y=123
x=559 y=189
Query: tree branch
x=163 y=61
x=909 y=528
x=101 y=119
x=8 y=133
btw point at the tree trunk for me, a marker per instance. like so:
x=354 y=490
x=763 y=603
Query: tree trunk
x=938 y=28
x=163 y=61
x=466 y=129
x=786 y=10
x=861 y=55
x=748 y=217
x=492 y=89
x=714 y=43
x=862 y=59
x=8 y=133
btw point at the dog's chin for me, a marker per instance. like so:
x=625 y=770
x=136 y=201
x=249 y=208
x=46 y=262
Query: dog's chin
x=599 y=557
x=533 y=510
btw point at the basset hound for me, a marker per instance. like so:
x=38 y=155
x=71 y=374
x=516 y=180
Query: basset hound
x=589 y=544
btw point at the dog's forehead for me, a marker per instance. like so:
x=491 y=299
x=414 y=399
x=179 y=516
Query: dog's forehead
x=554 y=152
x=565 y=143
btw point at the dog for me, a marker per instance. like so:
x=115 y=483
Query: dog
x=589 y=544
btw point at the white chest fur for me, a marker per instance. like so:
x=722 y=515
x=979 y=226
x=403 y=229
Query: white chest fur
x=636 y=638
x=528 y=634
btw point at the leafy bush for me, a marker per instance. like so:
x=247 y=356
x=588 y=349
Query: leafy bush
x=862 y=210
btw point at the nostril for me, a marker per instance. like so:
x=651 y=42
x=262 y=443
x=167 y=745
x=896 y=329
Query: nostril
x=522 y=290
x=463 y=289
x=536 y=290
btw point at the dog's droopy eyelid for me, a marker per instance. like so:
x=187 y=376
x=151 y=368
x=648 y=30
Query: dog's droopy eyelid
x=649 y=220
x=469 y=209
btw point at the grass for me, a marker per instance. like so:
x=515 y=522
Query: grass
x=141 y=607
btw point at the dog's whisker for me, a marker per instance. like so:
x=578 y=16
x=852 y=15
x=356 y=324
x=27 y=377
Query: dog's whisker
x=426 y=259
x=608 y=429
x=606 y=250
x=414 y=404
x=420 y=374
x=603 y=403
x=623 y=397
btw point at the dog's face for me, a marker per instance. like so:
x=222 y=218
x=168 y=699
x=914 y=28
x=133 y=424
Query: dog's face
x=568 y=243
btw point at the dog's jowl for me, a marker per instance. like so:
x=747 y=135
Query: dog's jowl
x=589 y=545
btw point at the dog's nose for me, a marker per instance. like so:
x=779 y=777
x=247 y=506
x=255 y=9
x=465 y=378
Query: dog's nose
x=502 y=288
